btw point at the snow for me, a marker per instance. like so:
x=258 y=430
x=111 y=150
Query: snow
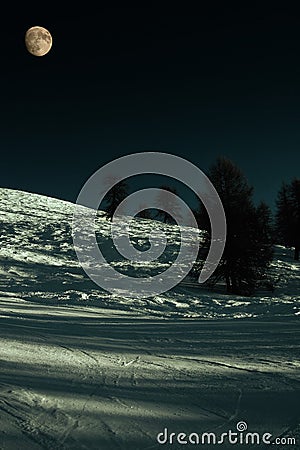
x=85 y=369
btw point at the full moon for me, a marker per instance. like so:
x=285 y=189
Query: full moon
x=38 y=41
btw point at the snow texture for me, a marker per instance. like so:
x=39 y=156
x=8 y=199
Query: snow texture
x=84 y=369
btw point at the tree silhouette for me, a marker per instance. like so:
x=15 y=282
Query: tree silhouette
x=114 y=197
x=248 y=249
x=288 y=216
x=167 y=203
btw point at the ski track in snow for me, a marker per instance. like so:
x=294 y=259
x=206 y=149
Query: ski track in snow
x=81 y=369
x=184 y=390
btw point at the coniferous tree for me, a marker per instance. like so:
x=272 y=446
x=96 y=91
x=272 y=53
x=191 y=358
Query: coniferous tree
x=262 y=241
x=283 y=216
x=265 y=231
x=114 y=197
x=295 y=227
x=248 y=249
x=167 y=203
x=288 y=216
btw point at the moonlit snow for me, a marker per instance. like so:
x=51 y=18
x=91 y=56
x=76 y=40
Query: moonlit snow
x=85 y=369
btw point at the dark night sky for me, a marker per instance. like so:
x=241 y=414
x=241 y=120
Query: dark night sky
x=120 y=80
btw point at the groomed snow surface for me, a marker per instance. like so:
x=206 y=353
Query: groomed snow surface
x=84 y=369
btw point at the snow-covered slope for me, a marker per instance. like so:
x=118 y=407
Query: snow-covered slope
x=83 y=370
x=37 y=261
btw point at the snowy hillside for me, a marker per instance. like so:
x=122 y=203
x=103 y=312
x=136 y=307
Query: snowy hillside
x=37 y=260
x=82 y=369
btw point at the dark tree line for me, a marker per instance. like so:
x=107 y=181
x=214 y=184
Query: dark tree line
x=248 y=250
x=120 y=191
x=251 y=233
x=288 y=216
